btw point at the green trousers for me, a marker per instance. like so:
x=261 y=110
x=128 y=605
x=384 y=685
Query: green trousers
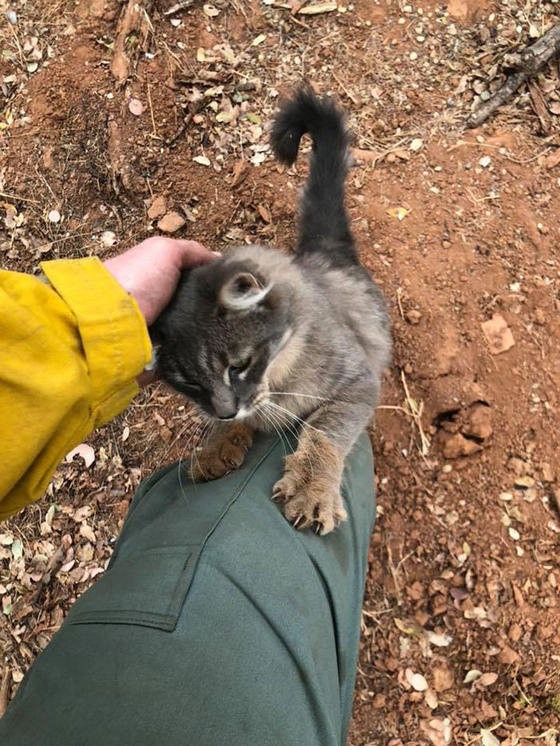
x=216 y=623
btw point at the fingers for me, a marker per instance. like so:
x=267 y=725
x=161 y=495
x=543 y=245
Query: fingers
x=192 y=254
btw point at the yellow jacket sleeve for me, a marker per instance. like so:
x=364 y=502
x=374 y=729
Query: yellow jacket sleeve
x=70 y=351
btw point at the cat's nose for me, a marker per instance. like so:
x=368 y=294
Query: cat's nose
x=225 y=408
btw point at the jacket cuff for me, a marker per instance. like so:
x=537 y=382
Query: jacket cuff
x=112 y=329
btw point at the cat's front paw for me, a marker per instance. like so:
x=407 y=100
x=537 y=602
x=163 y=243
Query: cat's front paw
x=310 y=502
x=222 y=455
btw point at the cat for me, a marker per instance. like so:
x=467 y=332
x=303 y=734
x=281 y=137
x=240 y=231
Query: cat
x=262 y=339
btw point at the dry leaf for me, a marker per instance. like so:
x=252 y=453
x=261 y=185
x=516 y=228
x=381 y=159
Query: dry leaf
x=443 y=679
x=240 y=171
x=440 y=641
x=488 y=738
x=487 y=679
x=416 y=680
x=471 y=676
x=399 y=213
x=408 y=628
x=83 y=450
x=313 y=10
x=431 y=699
x=367 y=156
x=87 y=533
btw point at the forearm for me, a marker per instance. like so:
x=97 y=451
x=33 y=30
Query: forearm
x=71 y=350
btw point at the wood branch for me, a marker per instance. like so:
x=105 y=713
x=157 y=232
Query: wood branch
x=531 y=60
x=134 y=19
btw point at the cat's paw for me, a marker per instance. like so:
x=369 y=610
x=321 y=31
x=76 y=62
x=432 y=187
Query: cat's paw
x=222 y=455
x=310 y=503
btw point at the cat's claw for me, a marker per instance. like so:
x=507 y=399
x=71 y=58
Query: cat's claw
x=309 y=504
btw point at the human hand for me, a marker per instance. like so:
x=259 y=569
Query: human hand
x=151 y=270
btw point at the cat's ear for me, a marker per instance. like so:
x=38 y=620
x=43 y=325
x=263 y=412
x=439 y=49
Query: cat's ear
x=242 y=292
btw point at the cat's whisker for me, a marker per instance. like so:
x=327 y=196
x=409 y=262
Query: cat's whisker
x=281 y=421
x=304 y=424
x=268 y=419
x=305 y=396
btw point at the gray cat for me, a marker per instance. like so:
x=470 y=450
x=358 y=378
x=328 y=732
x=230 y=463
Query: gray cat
x=263 y=339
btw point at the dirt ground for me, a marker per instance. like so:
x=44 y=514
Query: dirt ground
x=112 y=117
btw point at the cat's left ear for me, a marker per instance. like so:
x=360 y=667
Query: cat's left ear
x=242 y=292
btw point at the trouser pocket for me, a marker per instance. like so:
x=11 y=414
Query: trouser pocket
x=148 y=588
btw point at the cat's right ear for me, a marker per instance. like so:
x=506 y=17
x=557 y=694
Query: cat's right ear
x=242 y=292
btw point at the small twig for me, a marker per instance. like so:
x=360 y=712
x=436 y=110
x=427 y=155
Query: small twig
x=195 y=109
x=154 y=131
x=18 y=198
x=530 y=62
x=178 y=7
x=415 y=411
x=399 y=294
x=4 y=690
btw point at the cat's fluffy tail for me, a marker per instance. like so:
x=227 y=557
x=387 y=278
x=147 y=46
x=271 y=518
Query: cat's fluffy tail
x=324 y=222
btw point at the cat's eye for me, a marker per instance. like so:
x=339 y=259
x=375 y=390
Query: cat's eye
x=192 y=388
x=236 y=370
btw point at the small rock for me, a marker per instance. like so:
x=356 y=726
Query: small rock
x=108 y=238
x=11 y=15
x=508 y=656
x=416 y=144
x=171 y=222
x=517 y=466
x=54 y=216
x=413 y=317
x=547 y=472
x=485 y=161
x=136 y=107
x=498 y=334
x=157 y=208
x=556 y=498
x=456 y=445
x=540 y=318
x=379 y=701
x=479 y=423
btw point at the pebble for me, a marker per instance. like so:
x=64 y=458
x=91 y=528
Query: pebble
x=413 y=317
x=108 y=238
x=158 y=208
x=54 y=216
x=485 y=161
x=135 y=106
x=540 y=318
x=547 y=472
x=11 y=15
x=413 y=56
x=171 y=222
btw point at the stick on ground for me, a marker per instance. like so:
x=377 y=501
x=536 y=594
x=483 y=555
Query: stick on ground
x=530 y=62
